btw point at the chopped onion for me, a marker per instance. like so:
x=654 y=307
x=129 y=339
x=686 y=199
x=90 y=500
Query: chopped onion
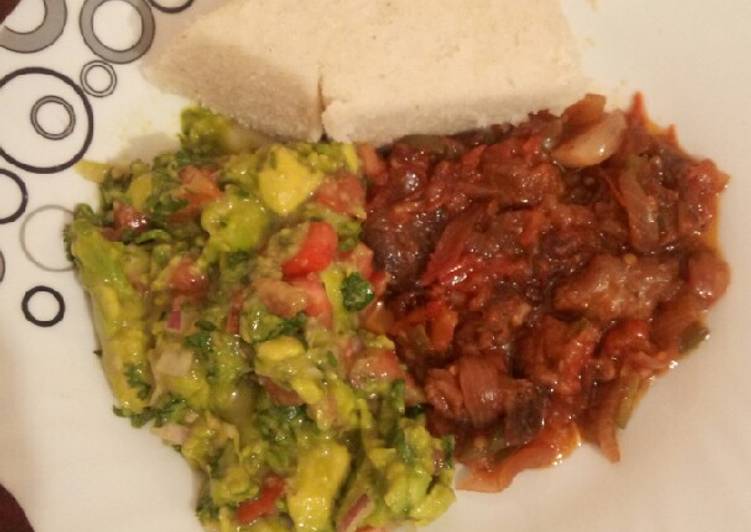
x=172 y=433
x=593 y=145
x=356 y=514
x=642 y=211
x=175 y=320
x=174 y=362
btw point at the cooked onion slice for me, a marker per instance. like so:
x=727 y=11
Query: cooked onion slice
x=593 y=145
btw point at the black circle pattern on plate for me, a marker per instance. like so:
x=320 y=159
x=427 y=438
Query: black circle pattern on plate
x=92 y=66
x=39 y=128
x=24 y=197
x=2 y=266
x=25 y=246
x=95 y=43
x=44 y=35
x=89 y=122
x=171 y=9
x=59 y=315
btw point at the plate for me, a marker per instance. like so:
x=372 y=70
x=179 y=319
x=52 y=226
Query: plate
x=71 y=85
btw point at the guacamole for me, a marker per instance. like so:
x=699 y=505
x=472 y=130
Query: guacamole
x=228 y=284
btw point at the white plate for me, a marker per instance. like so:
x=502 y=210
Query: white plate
x=76 y=467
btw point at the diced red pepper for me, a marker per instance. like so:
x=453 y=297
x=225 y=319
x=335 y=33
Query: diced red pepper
x=316 y=252
x=318 y=304
x=175 y=317
x=235 y=309
x=344 y=194
x=263 y=505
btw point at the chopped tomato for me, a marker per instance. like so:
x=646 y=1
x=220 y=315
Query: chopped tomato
x=279 y=395
x=380 y=281
x=361 y=258
x=316 y=251
x=345 y=194
x=264 y=504
x=317 y=302
x=188 y=280
x=376 y=364
x=199 y=188
x=126 y=218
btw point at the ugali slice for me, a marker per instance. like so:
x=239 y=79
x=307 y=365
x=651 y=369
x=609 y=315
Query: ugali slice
x=255 y=60
x=442 y=66
x=373 y=70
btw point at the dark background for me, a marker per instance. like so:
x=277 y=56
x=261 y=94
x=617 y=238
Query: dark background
x=6 y=6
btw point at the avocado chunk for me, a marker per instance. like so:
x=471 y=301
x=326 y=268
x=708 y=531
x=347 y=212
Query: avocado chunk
x=208 y=133
x=321 y=470
x=285 y=182
x=235 y=223
x=119 y=311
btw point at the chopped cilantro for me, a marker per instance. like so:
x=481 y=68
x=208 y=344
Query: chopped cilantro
x=448 y=444
x=349 y=235
x=403 y=449
x=135 y=376
x=205 y=325
x=414 y=411
x=356 y=292
x=293 y=326
x=206 y=509
x=136 y=420
x=170 y=409
x=237 y=258
x=263 y=325
x=154 y=235
x=165 y=205
x=200 y=342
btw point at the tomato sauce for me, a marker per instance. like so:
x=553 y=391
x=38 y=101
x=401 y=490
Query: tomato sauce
x=541 y=275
